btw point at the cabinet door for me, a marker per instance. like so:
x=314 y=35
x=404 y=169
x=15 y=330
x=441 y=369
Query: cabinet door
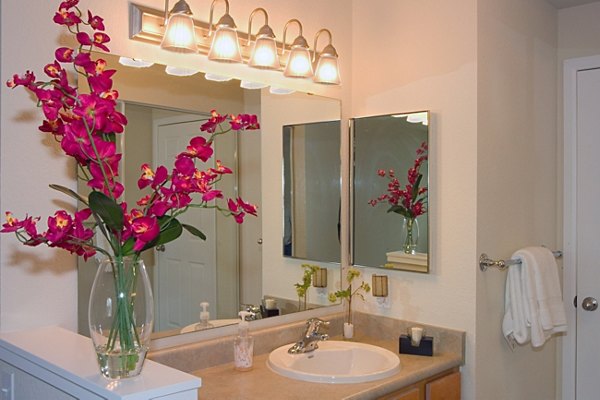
x=444 y=388
x=403 y=394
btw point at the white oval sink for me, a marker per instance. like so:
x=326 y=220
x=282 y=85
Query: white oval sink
x=336 y=362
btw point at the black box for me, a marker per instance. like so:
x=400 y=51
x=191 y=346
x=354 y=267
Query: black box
x=425 y=348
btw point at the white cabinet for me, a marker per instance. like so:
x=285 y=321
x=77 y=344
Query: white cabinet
x=55 y=364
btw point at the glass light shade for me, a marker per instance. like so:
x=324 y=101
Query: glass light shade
x=280 y=90
x=299 y=65
x=225 y=46
x=132 y=62
x=180 y=35
x=252 y=85
x=327 y=70
x=264 y=54
x=179 y=71
x=217 y=78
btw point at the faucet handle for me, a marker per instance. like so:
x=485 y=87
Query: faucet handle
x=314 y=324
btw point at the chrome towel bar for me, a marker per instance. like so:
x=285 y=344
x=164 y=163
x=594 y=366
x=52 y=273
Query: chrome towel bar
x=485 y=262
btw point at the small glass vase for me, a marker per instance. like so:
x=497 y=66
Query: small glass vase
x=121 y=317
x=410 y=235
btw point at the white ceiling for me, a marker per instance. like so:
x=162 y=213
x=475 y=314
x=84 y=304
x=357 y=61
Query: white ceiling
x=569 y=3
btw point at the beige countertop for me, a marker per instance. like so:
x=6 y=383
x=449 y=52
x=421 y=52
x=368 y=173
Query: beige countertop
x=224 y=382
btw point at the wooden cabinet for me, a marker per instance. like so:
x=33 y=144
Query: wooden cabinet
x=411 y=393
x=444 y=386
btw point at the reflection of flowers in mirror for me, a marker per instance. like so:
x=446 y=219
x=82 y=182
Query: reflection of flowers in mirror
x=409 y=200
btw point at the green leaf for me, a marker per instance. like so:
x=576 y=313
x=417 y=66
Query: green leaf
x=127 y=247
x=170 y=229
x=107 y=209
x=194 y=231
x=399 y=210
x=69 y=193
x=415 y=191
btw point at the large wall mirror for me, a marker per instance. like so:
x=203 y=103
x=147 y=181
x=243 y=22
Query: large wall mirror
x=390 y=187
x=226 y=270
x=311 y=188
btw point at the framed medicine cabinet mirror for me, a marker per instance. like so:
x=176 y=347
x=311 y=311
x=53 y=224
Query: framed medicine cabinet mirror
x=390 y=191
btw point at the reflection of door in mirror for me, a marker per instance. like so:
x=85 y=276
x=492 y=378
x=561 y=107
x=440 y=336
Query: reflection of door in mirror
x=185 y=272
x=311 y=169
x=381 y=144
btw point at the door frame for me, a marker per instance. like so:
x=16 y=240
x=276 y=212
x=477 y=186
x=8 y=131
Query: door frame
x=569 y=341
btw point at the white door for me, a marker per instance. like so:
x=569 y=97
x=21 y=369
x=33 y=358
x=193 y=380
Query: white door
x=186 y=269
x=582 y=230
x=588 y=233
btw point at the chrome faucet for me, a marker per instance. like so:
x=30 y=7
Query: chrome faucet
x=311 y=338
x=253 y=310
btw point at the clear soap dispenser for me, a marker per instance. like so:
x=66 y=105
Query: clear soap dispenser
x=243 y=345
x=204 y=316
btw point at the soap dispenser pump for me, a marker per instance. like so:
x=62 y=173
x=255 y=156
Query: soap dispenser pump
x=243 y=345
x=204 y=316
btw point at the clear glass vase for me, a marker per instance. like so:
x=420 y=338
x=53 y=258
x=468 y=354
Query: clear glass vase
x=121 y=316
x=410 y=235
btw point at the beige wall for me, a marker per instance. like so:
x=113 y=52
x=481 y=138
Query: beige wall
x=432 y=65
x=516 y=185
x=38 y=286
x=578 y=31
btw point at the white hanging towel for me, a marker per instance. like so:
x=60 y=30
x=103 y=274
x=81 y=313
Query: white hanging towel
x=533 y=300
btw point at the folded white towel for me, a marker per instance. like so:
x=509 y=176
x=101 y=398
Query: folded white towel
x=533 y=301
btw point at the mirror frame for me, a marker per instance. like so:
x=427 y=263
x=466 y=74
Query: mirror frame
x=424 y=269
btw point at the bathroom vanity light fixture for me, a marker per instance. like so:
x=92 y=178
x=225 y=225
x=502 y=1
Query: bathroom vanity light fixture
x=320 y=278
x=326 y=69
x=179 y=31
x=176 y=30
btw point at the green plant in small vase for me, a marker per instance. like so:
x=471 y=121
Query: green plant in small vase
x=302 y=288
x=348 y=294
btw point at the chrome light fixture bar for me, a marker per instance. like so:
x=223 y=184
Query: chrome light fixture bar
x=149 y=25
